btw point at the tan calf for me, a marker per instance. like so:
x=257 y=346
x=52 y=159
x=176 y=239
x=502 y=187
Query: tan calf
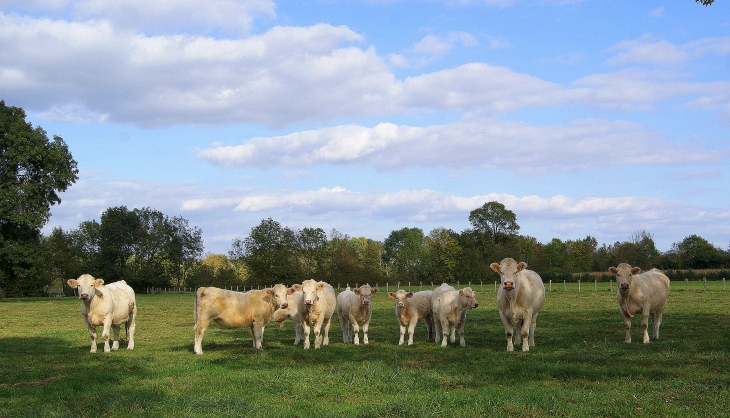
x=451 y=313
x=353 y=310
x=409 y=309
x=435 y=307
x=641 y=293
x=230 y=309
x=291 y=311
x=316 y=307
x=107 y=306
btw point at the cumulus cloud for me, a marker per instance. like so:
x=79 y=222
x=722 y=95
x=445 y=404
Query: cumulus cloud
x=648 y=50
x=431 y=48
x=519 y=147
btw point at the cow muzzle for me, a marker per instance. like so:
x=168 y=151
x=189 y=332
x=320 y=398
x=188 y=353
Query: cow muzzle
x=284 y=305
x=308 y=302
x=84 y=296
x=625 y=286
x=509 y=285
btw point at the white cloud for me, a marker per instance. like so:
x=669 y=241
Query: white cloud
x=431 y=48
x=482 y=143
x=647 y=50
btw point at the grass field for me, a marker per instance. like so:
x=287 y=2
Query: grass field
x=579 y=367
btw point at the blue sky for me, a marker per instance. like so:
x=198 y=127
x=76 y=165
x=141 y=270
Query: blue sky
x=591 y=117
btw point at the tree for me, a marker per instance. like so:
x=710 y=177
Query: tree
x=494 y=220
x=695 y=252
x=120 y=232
x=404 y=254
x=705 y=2
x=270 y=252
x=33 y=171
x=444 y=252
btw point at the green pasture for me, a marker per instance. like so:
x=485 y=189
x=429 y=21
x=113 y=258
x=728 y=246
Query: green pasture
x=579 y=368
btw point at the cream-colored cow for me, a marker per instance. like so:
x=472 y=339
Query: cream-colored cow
x=641 y=293
x=519 y=299
x=230 y=309
x=316 y=307
x=107 y=306
x=353 y=310
x=291 y=311
x=409 y=309
x=451 y=313
x=435 y=307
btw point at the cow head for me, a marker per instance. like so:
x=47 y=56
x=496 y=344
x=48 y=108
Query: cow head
x=279 y=293
x=365 y=292
x=309 y=290
x=400 y=297
x=508 y=269
x=87 y=286
x=468 y=298
x=624 y=273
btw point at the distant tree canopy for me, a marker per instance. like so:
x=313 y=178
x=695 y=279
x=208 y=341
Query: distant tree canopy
x=705 y=2
x=33 y=171
x=494 y=220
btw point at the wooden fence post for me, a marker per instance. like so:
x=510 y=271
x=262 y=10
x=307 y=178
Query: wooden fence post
x=564 y=286
x=595 y=285
x=550 y=286
x=686 y=284
x=704 y=279
x=578 y=286
x=495 y=286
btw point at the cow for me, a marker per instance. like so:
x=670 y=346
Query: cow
x=316 y=307
x=519 y=299
x=641 y=293
x=230 y=309
x=108 y=306
x=409 y=309
x=451 y=313
x=435 y=305
x=291 y=311
x=353 y=310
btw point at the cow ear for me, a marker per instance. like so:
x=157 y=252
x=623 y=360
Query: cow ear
x=290 y=291
x=495 y=267
x=635 y=270
x=270 y=292
x=98 y=282
x=73 y=283
x=356 y=290
x=409 y=295
x=461 y=292
x=297 y=287
x=521 y=266
x=612 y=270
x=392 y=295
x=375 y=290
x=320 y=286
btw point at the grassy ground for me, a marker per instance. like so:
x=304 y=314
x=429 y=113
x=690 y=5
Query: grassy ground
x=580 y=366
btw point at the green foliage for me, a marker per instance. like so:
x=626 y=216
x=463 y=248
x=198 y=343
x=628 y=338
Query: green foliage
x=33 y=171
x=705 y=2
x=580 y=366
x=404 y=255
x=494 y=220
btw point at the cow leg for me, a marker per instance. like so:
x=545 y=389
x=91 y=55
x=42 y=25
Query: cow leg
x=437 y=330
x=355 y=327
x=525 y=331
x=318 y=334
x=105 y=333
x=306 y=328
x=198 y=330
x=115 y=341
x=257 y=333
x=462 y=322
x=645 y=325
x=657 y=321
x=326 y=335
x=130 y=327
x=365 y=339
x=343 y=326
x=297 y=331
x=507 y=330
x=92 y=334
x=429 y=325
x=411 y=329
x=533 y=325
x=627 y=326
x=402 y=333
x=444 y=331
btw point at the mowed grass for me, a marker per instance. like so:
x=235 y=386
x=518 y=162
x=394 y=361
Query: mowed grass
x=579 y=367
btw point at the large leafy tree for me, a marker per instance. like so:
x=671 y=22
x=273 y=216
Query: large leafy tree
x=271 y=254
x=405 y=255
x=494 y=220
x=33 y=171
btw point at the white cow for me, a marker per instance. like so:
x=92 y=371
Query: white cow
x=316 y=307
x=108 y=306
x=230 y=309
x=435 y=306
x=519 y=299
x=409 y=309
x=291 y=311
x=353 y=310
x=451 y=313
x=641 y=293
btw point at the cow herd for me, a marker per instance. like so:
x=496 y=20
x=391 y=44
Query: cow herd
x=312 y=304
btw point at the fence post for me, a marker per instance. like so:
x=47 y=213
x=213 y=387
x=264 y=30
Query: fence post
x=686 y=284
x=564 y=286
x=481 y=286
x=595 y=285
x=610 y=283
x=495 y=286
x=704 y=279
x=386 y=287
x=723 y=283
x=409 y=286
x=550 y=286
x=578 y=286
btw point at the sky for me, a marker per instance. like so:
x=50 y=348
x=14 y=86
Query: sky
x=595 y=117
